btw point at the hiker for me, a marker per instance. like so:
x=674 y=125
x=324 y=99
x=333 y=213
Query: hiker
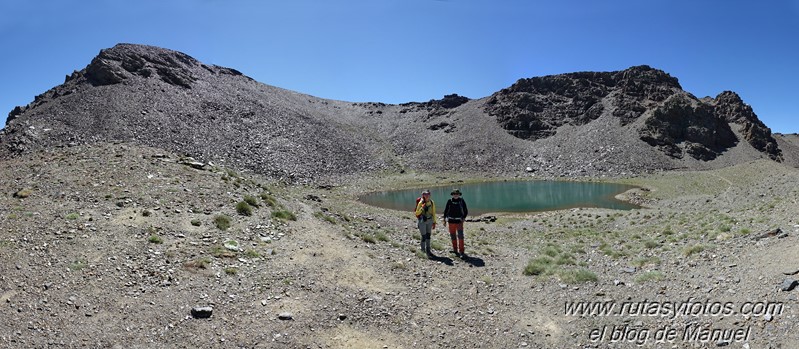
x=455 y=214
x=426 y=214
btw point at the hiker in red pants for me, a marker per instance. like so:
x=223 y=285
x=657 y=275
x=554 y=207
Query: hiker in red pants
x=455 y=214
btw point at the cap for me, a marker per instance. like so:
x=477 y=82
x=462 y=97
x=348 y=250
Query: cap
x=455 y=191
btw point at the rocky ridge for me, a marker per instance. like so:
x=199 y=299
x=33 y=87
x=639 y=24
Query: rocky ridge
x=675 y=121
x=634 y=121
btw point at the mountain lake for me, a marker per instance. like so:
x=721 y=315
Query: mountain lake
x=511 y=196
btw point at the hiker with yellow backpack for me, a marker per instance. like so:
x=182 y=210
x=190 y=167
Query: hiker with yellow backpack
x=426 y=216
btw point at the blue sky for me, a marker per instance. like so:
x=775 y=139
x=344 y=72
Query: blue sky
x=417 y=50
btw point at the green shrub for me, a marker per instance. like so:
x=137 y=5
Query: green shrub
x=649 y=276
x=693 y=249
x=78 y=265
x=222 y=222
x=642 y=261
x=196 y=222
x=201 y=263
x=551 y=251
x=381 y=236
x=244 y=209
x=72 y=216
x=565 y=259
x=539 y=266
x=155 y=239
x=436 y=246
x=231 y=270
x=251 y=200
x=577 y=276
x=650 y=244
x=269 y=200
x=284 y=215
x=368 y=238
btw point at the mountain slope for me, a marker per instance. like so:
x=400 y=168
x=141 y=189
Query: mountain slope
x=591 y=123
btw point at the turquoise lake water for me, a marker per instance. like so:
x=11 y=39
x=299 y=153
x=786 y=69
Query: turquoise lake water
x=511 y=196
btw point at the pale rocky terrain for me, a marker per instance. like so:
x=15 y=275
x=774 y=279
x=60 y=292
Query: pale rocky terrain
x=78 y=267
x=109 y=234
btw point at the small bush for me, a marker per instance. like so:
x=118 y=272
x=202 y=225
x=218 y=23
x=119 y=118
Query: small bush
x=196 y=222
x=577 y=276
x=323 y=216
x=222 y=222
x=640 y=262
x=284 y=215
x=650 y=244
x=78 y=265
x=72 y=216
x=436 y=246
x=724 y=228
x=368 y=238
x=269 y=200
x=231 y=270
x=244 y=209
x=381 y=236
x=565 y=259
x=202 y=263
x=251 y=200
x=146 y=213
x=745 y=231
x=538 y=266
x=252 y=253
x=649 y=276
x=155 y=239
x=693 y=249
x=220 y=251
x=551 y=251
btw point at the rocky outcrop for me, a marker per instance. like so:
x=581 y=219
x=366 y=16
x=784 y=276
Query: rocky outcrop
x=117 y=64
x=685 y=126
x=730 y=107
x=534 y=108
x=675 y=122
x=435 y=106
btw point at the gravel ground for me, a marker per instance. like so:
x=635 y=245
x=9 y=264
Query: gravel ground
x=113 y=245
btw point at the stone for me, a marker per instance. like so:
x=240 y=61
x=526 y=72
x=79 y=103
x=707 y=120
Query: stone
x=770 y=233
x=788 y=285
x=629 y=270
x=285 y=316
x=202 y=312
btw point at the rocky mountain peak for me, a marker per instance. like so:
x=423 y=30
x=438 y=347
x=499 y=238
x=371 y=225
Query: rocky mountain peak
x=534 y=108
x=123 y=61
x=730 y=107
x=644 y=74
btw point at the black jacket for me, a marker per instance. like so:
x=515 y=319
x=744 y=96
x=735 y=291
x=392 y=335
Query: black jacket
x=455 y=211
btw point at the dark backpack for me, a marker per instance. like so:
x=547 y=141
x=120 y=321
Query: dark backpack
x=455 y=210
